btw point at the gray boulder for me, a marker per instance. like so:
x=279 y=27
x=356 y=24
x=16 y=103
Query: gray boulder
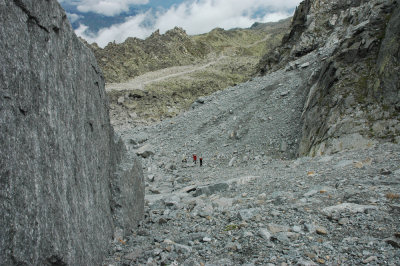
x=66 y=180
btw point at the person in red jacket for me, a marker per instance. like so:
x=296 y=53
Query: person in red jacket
x=194 y=158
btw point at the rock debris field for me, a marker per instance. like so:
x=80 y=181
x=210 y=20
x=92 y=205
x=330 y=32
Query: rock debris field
x=253 y=202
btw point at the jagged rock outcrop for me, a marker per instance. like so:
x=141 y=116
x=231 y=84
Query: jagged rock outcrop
x=135 y=56
x=67 y=183
x=354 y=95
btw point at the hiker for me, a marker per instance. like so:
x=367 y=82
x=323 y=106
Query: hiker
x=201 y=161
x=194 y=158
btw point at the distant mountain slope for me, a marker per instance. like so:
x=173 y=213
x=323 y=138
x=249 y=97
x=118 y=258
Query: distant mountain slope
x=121 y=62
x=161 y=76
x=134 y=57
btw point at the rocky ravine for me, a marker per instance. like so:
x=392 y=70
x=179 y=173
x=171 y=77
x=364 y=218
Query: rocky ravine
x=253 y=202
x=250 y=204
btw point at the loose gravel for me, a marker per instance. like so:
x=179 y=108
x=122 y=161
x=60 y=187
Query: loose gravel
x=253 y=202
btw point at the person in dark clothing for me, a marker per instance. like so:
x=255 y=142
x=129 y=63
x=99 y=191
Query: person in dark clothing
x=201 y=161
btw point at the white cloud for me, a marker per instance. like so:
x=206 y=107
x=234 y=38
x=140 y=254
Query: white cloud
x=107 y=7
x=82 y=32
x=73 y=17
x=196 y=17
x=118 y=33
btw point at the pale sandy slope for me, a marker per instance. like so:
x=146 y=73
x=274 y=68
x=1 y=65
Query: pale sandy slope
x=160 y=75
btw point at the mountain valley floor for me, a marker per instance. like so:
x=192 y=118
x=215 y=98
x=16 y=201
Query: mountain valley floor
x=253 y=202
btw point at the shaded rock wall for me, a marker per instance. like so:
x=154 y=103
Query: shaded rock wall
x=354 y=93
x=355 y=100
x=66 y=180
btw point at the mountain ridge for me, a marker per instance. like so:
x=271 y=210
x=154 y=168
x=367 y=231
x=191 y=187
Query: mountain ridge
x=133 y=57
x=198 y=66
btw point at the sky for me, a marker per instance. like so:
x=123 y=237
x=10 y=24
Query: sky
x=104 y=21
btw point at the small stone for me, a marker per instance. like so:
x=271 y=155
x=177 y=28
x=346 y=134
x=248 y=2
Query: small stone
x=143 y=232
x=206 y=239
x=370 y=259
x=154 y=191
x=393 y=241
x=210 y=189
x=170 y=166
x=200 y=100
x=296 y=229
x=285 y=93
x=385 y=172
x=145 y=151
x=303 y=262
x=133 y=255
x=150 y=178
x=311 y=255
x=264 y=233
x=275 y=213
x=182 y=249
x=292 y=236
x=162 y=221
x=283 y=147
x=306 y=64
x=121 y=100
x=343 y=221
x=182 y=180
x=262 y=196
x=156 y=252
x=321 y=230
x=275 y=228
x=311 y=173
x=231 y=246
x=346 y=208
x=247 y=214
x=231 y=161
x=358 y=165
x=310 y=228
x=248 y=234
x=133 y=115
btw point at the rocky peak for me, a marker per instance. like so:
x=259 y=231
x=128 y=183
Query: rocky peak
x=176 y=31
x=155 y=34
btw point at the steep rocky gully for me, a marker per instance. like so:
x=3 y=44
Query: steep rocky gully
x=300 y=166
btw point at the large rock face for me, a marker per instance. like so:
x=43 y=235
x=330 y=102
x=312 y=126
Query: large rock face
x=66 y=181
x=354 y=94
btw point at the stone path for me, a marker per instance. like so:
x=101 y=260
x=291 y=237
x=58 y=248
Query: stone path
x=160 y=75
